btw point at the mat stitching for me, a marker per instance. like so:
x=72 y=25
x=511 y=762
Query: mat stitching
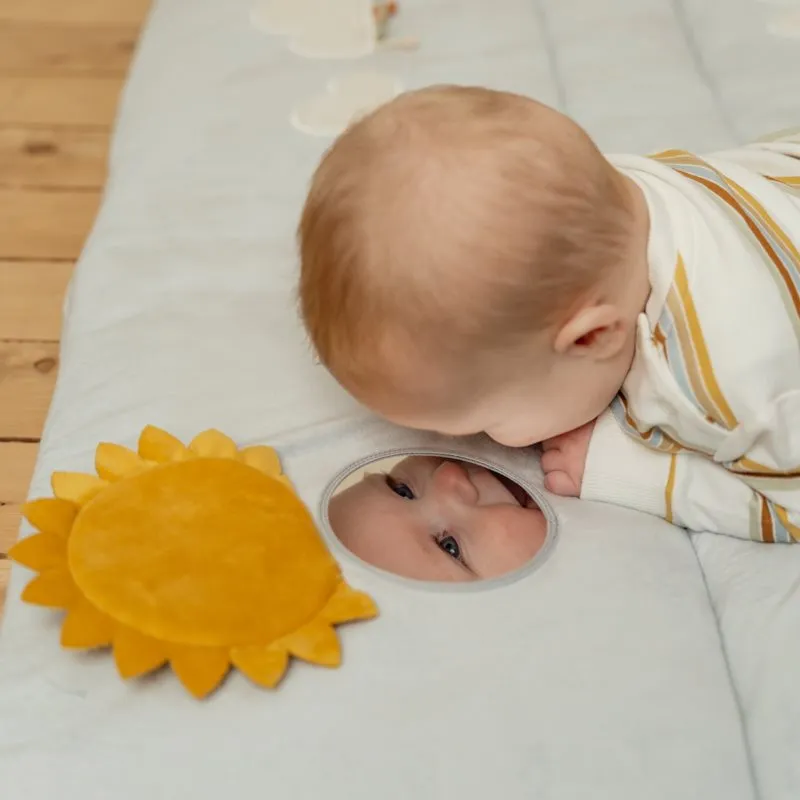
x=552 y=55
x=700 y=66
x=734 y=689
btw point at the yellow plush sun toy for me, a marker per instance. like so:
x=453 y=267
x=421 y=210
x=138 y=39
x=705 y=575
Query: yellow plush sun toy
x=202 y=557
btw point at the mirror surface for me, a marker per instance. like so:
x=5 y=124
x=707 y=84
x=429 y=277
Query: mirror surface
x=432 y=518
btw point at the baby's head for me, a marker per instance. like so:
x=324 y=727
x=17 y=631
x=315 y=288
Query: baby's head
x=471 y=262
x=438 y=520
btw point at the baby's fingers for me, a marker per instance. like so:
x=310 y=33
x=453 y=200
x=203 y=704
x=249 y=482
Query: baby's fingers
x=553 y=461
x=561 y=484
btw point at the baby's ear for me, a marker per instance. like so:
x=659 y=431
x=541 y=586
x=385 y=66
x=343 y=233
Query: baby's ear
x=595 y=331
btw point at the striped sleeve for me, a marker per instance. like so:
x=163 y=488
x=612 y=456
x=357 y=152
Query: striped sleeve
x=684 y=488
x=622 y=471
x=716 y=401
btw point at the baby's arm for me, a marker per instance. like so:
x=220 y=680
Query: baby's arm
x=687 y=489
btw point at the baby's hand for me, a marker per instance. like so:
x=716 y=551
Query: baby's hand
x=564 y=460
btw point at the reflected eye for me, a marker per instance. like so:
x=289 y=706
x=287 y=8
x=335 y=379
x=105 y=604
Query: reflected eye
x=449 y=544
x=400 y=489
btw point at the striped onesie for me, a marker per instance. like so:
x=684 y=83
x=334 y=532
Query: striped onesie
x=713 y=393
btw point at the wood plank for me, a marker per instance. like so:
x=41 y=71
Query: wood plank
x=31 y=296
x=78 y=12
x=59 y=157
x=86 y=102
x=45 y=225
x=27 y=378
x=9 y=526
x=17 y=460
x=31 y=49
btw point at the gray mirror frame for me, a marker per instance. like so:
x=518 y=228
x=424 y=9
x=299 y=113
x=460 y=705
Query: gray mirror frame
x=441 y=586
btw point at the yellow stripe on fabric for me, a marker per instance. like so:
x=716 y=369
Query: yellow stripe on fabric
x=783 y=516
x=768 y=222
x=669 y=443
x=728 y=198
x=791 y=185
x=669 y=155
x=792 y=181
x=669 y=489
x=747 y=466
x=693 y=373
x=710 y=391
x=738 y=198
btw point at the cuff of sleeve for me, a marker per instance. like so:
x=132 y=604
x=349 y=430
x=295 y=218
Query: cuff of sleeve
x=622 y=471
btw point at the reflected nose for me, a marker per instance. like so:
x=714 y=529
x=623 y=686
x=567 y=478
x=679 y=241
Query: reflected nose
x=452 y=481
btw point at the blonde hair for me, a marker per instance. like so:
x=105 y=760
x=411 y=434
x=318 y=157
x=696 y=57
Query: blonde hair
x=451 y=221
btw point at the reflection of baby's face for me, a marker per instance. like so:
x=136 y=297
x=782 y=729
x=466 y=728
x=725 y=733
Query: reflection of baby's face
x=438 y=520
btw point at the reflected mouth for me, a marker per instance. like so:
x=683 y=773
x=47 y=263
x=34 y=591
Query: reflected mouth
x=516 y=491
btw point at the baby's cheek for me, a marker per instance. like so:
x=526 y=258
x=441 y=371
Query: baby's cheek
x=510 y=538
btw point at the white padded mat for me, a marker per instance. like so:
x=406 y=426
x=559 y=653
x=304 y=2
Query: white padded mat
x=599 y=675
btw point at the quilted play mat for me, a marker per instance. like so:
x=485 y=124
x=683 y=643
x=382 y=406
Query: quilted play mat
x=195 y=449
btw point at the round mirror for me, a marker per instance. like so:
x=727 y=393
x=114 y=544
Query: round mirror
x=436 y=518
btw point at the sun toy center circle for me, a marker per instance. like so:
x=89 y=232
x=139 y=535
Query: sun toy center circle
x=207 y=551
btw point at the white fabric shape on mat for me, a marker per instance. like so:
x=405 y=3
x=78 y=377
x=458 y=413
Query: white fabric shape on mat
x=598 y=676
x=347 y=98
x=320 y=28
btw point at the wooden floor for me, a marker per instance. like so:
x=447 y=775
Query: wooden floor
x=62 y=64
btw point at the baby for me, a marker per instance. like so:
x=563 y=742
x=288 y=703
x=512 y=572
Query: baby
x=435 y=519
x=471 y=262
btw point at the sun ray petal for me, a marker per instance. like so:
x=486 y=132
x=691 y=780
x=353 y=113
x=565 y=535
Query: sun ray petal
x=213 y=444
x=199 y=669
x=262 y=458
x=136 y=654
x=76 y=487
x=263 y=665
x=54 y=589
x=160 y=446
x=114 y=462
x=42 y=551
x=284 y=480
x=51 y=515
x=316 y=643
x=85 y=627
x=349 y=605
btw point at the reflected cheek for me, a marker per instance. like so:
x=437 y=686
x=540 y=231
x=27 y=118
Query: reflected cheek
x=526 y=531
x=508 y=538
